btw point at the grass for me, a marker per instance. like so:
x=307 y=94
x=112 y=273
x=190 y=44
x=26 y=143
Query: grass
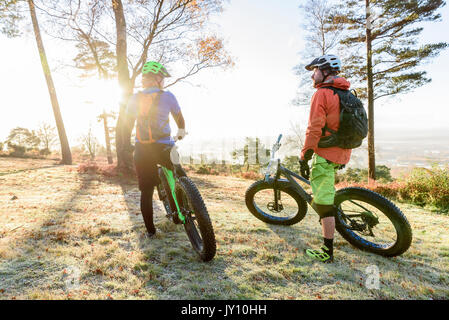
x=66 y=235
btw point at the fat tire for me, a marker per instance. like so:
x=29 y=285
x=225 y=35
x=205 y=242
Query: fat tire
x=400 y=222
x=284 y=186
x=202 y=216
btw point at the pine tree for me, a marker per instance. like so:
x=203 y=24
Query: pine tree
x=389 y=29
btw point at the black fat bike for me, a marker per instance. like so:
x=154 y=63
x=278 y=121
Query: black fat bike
x=364 y=218
x=184 y=205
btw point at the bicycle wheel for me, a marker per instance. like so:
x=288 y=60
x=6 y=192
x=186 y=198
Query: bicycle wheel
x=371 y=222
x=198 y=225
x=290 y=209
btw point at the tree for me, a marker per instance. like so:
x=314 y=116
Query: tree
x=90 y=143
x=389 y=31
x=11 y=12
x=78 y=22
x=322 y=36
x=253 y=152
x=47 y=135
x=94 y=57
x=169 y=31
x=65 y=149
x=104 y=117
x=294 y=141
x=9 y=18
x=166 y=32
x=23 y=137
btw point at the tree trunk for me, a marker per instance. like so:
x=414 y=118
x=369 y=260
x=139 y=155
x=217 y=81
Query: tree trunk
x=371 y=152
x=65 y=149
x=107 y=139
x=122 y=132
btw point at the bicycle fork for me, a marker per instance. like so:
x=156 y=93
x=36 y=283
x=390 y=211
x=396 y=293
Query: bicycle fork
x=172 y=182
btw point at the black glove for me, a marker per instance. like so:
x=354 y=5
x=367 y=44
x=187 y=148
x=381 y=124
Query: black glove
x=304 y=166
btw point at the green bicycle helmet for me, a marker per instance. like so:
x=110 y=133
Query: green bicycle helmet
x=155 y=68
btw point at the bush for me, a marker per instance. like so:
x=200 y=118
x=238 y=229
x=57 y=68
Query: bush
x=422 y=187
x=206 y=170
x=16 y=151
x=292 y=163
x=358 y=175
x=91 y=167
x=44 y=152
x=428 y=187
x=251 y=175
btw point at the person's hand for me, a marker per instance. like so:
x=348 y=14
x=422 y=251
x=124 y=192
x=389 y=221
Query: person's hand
x=181 y=134
x=303 y=164
x=305 y=169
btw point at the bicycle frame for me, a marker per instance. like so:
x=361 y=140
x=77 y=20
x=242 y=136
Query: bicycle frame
x=289 y=175
x=282 y=171
x=172 y=183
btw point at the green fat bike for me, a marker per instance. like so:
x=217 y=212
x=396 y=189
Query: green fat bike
x=364 y=218
x=184 y=205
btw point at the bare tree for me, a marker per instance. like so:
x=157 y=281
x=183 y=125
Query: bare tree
x=172 y=32
x=47 y=135
x=322 y=36
x=90 y=143
x=295 y=140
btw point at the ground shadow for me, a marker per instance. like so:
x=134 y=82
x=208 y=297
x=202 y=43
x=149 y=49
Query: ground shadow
x=24 y=271
x=29 y=169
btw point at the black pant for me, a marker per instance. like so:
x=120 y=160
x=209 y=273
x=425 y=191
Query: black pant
x=146 y=159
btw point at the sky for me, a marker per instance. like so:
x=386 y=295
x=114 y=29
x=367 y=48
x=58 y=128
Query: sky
x=252 y=99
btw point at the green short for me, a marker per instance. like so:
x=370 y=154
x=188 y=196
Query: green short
x=322 y=180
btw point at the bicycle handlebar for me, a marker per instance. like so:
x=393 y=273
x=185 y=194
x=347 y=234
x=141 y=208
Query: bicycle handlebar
x=279 y=138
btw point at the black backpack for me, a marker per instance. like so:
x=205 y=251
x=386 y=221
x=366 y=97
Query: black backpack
x=353 y=123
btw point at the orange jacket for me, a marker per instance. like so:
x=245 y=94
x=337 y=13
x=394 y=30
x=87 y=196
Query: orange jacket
x=325 y=110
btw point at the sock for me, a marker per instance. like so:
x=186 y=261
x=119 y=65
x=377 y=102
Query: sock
x=146 y=206
x=329 y=243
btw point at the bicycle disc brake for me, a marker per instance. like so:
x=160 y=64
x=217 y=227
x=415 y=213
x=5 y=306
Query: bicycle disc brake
x=370 y=219
x=362 y=227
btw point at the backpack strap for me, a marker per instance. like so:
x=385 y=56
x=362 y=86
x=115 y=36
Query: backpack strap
x=336 y=91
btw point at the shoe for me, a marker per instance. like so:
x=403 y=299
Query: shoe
x=150 y=235
x=321 y=255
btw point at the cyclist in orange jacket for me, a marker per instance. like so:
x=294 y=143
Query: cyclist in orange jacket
x=324 y=111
